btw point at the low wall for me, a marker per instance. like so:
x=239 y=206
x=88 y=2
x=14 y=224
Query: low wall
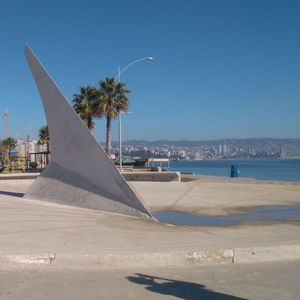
x=129 y=176
x=152 y=176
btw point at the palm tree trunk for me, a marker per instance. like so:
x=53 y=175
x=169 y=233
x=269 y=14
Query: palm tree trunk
x=47 y=155
x=108 y=135
x=89 y=122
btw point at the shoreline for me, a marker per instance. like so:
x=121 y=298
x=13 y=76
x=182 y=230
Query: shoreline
x=237 y=179
x=283 y=170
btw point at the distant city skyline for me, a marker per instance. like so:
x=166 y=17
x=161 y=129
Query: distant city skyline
x=222 y=69
x=190 y=150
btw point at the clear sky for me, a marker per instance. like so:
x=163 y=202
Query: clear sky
x=222 y=69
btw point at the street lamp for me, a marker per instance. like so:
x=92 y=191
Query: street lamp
x=120 y=71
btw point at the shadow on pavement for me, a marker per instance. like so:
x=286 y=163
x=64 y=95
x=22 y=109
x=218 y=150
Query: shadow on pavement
x=177 y=288
x=14 y=194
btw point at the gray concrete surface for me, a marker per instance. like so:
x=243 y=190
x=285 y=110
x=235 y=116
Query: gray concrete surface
x=211 y=195
x=80 y=173
x=268 y=281
x=36 y=234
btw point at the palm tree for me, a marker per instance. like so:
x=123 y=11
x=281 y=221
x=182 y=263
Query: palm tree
x=44 y=139
x=113 y=100
x=86 y=105
x=6 y=146
x=9 y=144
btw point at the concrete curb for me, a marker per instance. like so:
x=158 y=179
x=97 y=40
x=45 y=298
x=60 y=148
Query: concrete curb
x=267 y=254
x=151 y=259
x=19 y=176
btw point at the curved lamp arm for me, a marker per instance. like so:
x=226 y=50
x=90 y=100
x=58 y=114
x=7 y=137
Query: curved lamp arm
x=120 y=71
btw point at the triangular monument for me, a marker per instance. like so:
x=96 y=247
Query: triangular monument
x=80 y=173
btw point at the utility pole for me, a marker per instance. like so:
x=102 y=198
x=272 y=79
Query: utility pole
x=27 y=152
x=6 y=124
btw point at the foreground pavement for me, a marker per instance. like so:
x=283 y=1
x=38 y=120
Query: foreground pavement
x=36 y=234
x=267 y=281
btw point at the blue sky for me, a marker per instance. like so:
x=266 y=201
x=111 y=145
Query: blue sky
x=222 y=69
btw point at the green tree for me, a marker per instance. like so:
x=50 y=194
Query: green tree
x=44 y=139
x=86 y=104
x=113 y=99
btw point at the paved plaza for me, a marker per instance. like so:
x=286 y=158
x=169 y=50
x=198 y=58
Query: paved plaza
x=51 y=251
x=35 y=233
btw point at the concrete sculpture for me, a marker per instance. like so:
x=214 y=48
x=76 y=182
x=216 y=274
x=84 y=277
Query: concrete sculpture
x=80 y=173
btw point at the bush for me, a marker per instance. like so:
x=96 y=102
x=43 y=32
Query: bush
x=33 y=165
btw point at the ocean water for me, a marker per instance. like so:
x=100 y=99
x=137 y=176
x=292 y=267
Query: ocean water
x=266 y=169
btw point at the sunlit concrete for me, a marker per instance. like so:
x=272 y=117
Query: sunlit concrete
x=42 y=234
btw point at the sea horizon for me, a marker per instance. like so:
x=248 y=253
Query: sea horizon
x=281 y=169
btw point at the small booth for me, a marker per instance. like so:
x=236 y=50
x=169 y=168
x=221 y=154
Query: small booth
x=163 y=163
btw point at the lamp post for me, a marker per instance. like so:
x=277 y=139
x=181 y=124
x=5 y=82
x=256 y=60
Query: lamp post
x=120 y=71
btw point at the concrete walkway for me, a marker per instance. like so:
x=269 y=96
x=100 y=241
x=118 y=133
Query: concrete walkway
x=267 y=281
x=39 y=234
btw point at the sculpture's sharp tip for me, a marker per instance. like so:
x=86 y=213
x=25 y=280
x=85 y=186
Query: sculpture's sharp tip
x=30 y=55
x=28 y=50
